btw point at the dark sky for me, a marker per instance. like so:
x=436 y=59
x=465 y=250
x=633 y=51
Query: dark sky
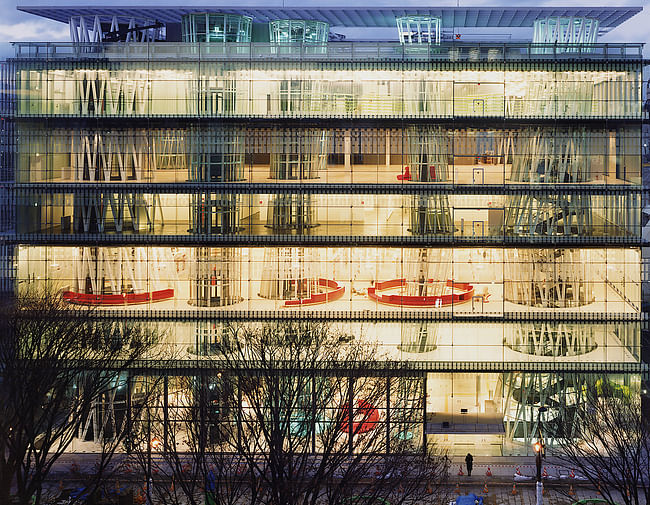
x=17 y=26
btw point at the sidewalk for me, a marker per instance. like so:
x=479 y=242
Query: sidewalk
x=504 y=468
x=502 y=495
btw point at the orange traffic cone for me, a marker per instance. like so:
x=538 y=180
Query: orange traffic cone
x=545 y=473
x=485 y=488
x=457 y=487
x=488 y=473
x=571 y=491
x=514 y=489
x=460 y=470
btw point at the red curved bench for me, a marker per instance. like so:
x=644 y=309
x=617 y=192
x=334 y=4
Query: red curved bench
x=465 y=295
x=121 y=299
x=369 y=422
x=336 y=292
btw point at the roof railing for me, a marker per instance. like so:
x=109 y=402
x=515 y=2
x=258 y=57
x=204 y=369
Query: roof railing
x=334 y=51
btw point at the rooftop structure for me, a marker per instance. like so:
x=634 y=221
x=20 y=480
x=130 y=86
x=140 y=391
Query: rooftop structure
x=376 y=14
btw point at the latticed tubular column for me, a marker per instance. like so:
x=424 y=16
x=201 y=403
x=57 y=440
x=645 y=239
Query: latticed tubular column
x=425 y=274
x=112 y=93
x=170 y=149
x=406 y=409
x=576 y=31
x=311 y=35
x=428 y=157
x=105 y=418
x=289 y=274
x=550 y=338
x=419 y=337
x=426 y=271
x=102 y=212
x=548 y=156
x=213 y=337
x=292 y=212
x=122 y=271
x=217 y=154
x=215 y=277
x=296 y=155
x=215 y=27
x=525 y=393
x=549 y=278
x=416 y=30
x=215 y=213
x=121 y=156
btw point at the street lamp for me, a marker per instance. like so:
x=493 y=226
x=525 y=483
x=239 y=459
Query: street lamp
x=540 y=452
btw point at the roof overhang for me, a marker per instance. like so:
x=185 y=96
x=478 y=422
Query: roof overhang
x=380 y=13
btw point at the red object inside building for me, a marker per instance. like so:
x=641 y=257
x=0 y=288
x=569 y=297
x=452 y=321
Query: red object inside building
x=367 y=416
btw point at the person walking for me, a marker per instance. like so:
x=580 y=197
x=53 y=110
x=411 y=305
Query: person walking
x=469 y=461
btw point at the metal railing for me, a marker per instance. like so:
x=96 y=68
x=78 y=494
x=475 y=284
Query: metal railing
x=333 y=51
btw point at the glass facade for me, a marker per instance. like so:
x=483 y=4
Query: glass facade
x=210 y=27
x=539 y=90
x=477 y=218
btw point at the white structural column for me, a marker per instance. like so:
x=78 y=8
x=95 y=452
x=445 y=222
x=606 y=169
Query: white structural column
x=388 y=153
x=550 y=338
x=111 y=156
x=87 y=29
x=289 y=273
x=415 y=30
x=428 y=155
x=108 y=93
x=119 y=212
x=549 y=278
x=543 y=156
x=120 y=270
x=561 y=394
x=426 y=272
x=347 y=149
x=565 y=30
x=118 y=156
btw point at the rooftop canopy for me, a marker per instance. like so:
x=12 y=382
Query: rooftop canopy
x=378 y=13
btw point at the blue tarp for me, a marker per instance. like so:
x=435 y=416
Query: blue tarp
x=469 y=499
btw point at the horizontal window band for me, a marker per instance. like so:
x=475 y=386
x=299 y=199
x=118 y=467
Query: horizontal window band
x=201 y=366
x=324 y=121
x=325 y=188
x=180 y=316
x=537 y=242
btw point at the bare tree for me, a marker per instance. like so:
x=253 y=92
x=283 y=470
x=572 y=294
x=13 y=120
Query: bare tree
x=60 y=371
x=609 y=443
x=293 y=413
